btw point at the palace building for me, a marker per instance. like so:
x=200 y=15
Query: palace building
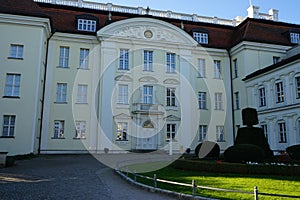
x=79 y=76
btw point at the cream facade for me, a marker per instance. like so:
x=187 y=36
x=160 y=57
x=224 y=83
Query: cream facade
x=139 y=80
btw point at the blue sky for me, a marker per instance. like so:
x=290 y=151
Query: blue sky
x=228 y=9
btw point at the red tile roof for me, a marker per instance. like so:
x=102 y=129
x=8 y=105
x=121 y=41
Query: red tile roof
x=63 y=19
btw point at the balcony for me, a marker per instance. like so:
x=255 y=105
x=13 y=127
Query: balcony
x=153 y=109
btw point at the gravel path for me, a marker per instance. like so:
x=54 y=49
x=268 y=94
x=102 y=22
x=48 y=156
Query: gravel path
x=67 y=177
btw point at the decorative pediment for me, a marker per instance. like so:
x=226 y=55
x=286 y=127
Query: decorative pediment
x=146 y=29
x=172 y=118
x=122 y=116
x=171 y=81
x=148 y=79
x=123 y=78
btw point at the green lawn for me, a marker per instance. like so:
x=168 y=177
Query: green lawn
x=265 y=184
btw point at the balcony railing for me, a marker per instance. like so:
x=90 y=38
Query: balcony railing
x=147 y=108
x=141 y=11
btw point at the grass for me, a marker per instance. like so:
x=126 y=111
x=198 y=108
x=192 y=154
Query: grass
x=265 y=184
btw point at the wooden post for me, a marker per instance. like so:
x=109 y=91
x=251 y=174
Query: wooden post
x=194 y=187
x=134 y=176
x=255 y=193
x=155 y=182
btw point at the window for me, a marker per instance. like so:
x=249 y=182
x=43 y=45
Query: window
x=237 y=100
x=220 y=134
x=16 y=51
x=282 y=132
x=262 y=96
x=122 y=128
x=86 y=25
x=80 y=127
x=201 y=68
x=124 y=59
x=61 y=93
x=276 y=59
x=202 y=132
x=217 y=69
x=279 y=92
x=218 y=101
x=64 y=57
x=8 y=125
x=123 y=94
x=170 y=58
x=235 y=70
x=148 y=94
x=265 y=130
x=84 y=59
x=202 y=100
x=298 y=87
x=82 y=94
x=12 y=85
x=295 y=38
x=170 y=97
x=148 y=61
x=171 y=131
x=59 y=126
x=202 y=38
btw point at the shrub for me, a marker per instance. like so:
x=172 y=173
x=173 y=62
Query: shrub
x=244 y=153
x=207 y=149
x=294 y=152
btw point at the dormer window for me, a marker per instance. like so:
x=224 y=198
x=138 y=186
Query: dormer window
x=202 y=38
x=87 y=23
x=295 y=38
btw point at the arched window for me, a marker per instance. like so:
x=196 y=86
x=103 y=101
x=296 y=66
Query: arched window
x=148 y=124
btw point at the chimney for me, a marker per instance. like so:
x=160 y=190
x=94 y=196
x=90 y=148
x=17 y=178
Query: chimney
x=253 y=12
x=274 y=14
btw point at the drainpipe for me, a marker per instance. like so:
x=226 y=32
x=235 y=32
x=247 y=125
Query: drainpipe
x=43 y=96
x=232 y=101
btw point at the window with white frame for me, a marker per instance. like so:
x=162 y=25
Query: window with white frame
x=61 y=92
x=202 y=38
x=218 y=101
x=279 y=92
x=148 y=60
x=12 y=85
x=122 y=128
x=80 y=129
x=235 y=68
x=201 y=68
x=171 y=132
x=64 y=57
x=265 y=130
x=170 y=62
x=237 y=100
x=124 y=59
x=148 y=94
x=86 y=25
x=8 y=129
x=84 y=58
x=295 y=38
x=220 y=134
x=123 y=94
x=202 y=132
x=16 y=51
x=297 y=87
x=282 y=132
x=202 y=100
x=262 y=96
x=82 y=93
x=217 y=69
x=171 y=97
x=59 y=127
